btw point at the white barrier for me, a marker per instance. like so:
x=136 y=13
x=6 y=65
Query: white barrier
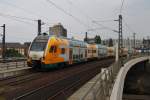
x=119 y=83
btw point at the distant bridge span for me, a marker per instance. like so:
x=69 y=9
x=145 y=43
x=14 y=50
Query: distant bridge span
x=117 y=91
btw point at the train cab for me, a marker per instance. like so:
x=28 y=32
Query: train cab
x=48 y=52
x=36 y=50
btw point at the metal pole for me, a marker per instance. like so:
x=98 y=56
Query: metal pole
x=86 y=37
x=3 y=42
x=39 y=27
x=134 y=42
x=128 y=47
x=120 y=41
x=148 y=44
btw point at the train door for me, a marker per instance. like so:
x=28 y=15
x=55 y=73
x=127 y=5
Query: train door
x=70 y=56
x=86 y=52
x=79 y=49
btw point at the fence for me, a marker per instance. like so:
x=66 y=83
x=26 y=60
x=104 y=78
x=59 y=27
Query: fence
x=12 y=63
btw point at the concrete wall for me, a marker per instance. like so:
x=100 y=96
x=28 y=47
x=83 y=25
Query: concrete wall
x=117 y=91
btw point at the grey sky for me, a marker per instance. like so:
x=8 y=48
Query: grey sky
x=136 y=13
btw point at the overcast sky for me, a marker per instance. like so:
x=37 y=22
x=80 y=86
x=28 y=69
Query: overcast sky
x=136 y=14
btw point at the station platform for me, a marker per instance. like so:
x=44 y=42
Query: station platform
x=84 y=89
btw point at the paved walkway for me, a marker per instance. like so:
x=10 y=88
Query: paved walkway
x=81 y=92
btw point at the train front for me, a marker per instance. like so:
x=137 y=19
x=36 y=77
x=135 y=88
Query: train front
x=36 y=51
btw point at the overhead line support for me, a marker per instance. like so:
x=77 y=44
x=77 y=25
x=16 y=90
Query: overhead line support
x=3 y=42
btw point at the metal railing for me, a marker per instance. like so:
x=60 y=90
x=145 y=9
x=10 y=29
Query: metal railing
x=102 y=87
x=12 y=63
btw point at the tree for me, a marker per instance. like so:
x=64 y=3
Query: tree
x=97 y=39
x=110 y=42
x=13 y=53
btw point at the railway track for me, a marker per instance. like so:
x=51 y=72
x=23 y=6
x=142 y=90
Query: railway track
x=22 y=78
x=29 y=71
x=54 y=85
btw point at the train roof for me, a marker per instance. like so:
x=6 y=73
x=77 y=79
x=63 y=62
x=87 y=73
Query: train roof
x=41 y=38
x=72 y=42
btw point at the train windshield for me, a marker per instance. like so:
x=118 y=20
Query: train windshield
x=38 y=46
x=39 y=43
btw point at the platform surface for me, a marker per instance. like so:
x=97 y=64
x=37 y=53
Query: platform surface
x=83 y=90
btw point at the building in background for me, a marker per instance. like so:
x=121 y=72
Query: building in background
x=127 y=43
x=96 y=39
x=146 y=43
x=26 y=48
x=20 y=48
x=58 y=30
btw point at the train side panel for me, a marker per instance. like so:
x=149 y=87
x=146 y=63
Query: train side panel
x=56 y=53
x=102 y=51
x=92 y=51
x=111 y=51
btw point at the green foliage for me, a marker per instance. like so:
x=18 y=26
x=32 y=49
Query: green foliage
x=13 y=53
x=97 y=39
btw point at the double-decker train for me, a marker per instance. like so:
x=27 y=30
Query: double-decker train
x=48 y=52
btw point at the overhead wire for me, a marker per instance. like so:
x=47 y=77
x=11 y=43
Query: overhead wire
x=89 y=17
x=79 y=9
x=19 y=19
x=122 y=4
x=64 y=11
x=67 y=13
x=23 y=9
x=104 y=27
x=131 y=30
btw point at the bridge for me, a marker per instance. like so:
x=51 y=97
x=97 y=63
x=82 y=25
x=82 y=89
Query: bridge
x=112 y=82
x=117 y=91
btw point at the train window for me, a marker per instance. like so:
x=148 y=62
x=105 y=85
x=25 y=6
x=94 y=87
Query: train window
x=81 y=55
x=73 y=56
x=76 y=56
x=53 y=49
x=94 y=51
x=38 y=46
x=62 y=50
x=85 y=53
